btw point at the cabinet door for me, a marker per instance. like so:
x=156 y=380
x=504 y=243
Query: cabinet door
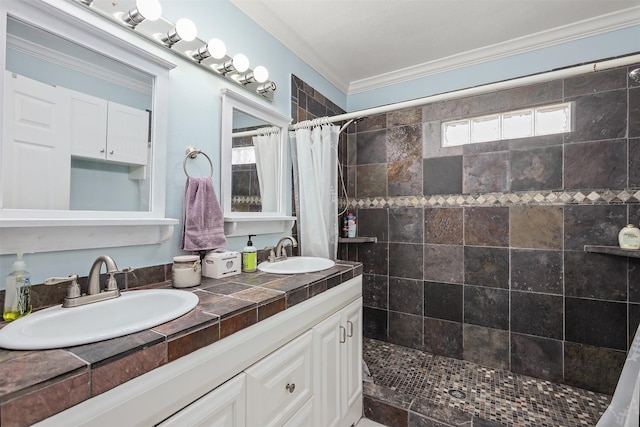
x=89 y=126
x=36 y=162
x=337 y=354
x=302 y=418
x=327 y=362
x=127 y=134
x=280 y=384
x=223 y=407
x=352 y=362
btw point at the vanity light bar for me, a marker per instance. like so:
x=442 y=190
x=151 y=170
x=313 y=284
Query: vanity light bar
x=143 y=17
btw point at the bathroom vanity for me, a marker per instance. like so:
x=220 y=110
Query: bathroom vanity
x=300 y=364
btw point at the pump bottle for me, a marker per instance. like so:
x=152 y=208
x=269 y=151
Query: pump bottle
x=249 y=257
x=17 y=297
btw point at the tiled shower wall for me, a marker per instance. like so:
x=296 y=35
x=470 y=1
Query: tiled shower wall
x=479 y=253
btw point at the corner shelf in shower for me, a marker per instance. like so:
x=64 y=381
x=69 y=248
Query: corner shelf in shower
x=612 y=250
x=357 y=239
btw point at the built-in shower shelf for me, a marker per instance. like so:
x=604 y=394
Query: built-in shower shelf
x=357 y=239
x=612 y=250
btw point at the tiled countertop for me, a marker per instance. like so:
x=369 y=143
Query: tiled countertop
x=35 y=385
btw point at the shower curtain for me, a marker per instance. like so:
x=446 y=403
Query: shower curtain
x=314 y=153
x=267 y=165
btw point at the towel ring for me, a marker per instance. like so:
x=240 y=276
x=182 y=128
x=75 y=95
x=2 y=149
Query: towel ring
x=192 y=153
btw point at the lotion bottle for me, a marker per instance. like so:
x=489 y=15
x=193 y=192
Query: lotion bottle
x=17 y=297
x=249 y=257
x=629 y=237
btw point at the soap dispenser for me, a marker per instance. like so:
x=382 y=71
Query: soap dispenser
x=17 y=297
x=249 y=257
x=629 y=237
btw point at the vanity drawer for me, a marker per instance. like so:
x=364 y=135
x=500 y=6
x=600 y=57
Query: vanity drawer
x=280 y=384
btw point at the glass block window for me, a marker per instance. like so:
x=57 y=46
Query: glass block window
x=546 y=120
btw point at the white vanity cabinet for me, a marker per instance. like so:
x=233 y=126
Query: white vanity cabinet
x=301 y=367
x=105 y=130
x=224 y=406
x=337 y=381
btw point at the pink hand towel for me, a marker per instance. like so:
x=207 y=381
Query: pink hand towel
x=203 y=219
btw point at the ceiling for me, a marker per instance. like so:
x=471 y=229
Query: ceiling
x=359 y=45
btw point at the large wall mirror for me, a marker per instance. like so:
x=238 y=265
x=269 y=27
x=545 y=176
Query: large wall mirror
x=83 y=129
x=254 y=167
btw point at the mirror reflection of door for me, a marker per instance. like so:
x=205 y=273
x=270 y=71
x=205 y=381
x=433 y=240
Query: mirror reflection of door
x=76 y=127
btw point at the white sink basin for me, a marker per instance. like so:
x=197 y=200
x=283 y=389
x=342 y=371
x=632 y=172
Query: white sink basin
x=296 y=264
x=133 y=311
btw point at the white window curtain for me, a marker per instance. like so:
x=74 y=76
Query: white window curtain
x=267 y=164
x=314 y=153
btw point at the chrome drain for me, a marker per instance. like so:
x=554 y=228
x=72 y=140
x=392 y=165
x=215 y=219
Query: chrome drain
x=458 y=394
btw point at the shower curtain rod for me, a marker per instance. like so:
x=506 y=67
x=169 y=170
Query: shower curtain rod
x=476 y=90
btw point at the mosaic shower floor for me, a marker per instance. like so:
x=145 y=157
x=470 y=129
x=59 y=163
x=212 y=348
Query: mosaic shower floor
x=492 y=396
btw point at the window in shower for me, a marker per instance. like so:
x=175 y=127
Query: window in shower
x=546 y=120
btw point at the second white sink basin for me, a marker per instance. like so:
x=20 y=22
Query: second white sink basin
x=133 y=311
x=296 y=264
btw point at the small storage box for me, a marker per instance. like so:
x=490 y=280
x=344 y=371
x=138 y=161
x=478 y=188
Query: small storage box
x=218 y=264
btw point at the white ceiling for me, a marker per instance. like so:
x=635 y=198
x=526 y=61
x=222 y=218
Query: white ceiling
x=359 y=45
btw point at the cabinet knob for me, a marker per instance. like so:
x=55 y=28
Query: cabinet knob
x=291 y=387
x=350 y=328
x=111 y=152
x=343 y=334
x=102 y=150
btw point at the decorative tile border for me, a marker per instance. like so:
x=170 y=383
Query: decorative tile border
x=500 y=199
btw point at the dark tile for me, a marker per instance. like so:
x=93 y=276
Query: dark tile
x=297 y=296
x=486 y=307
x=223 y=306
x=424 y=413
x=237 y=322
x=601 y=81
x=592 y=122
x=269 y=309
x=486 y=346
x=485 y=173
x=486 y=226
x=536 y=357
x=484 y=266
x=592 y=225
x=404 y=178
x=259 y=295
x=599 y=164
x=226 y=288
x=538 y=141
x=405 y=330
x=634 y=321
x=371 y=147
x=442 y=175
x=537 y=314
x=186 y=344
x=634 y=112
x=444 y=263
x=485 y=147
x=374 y=223
x=375 y=323
x=443 y=226
x=406 y=295
x=375 y=291
x=592 y=275
x=634 y=280
x=514 y=98
x=443 y=301
x=431 y=142
x=537 y=271
x=634 y=161
x=386 y=395
x=536 y=227
x=374 y=258
x=406 y=260
x=378 y=121
x=406 y=225
x=596 y=323
x=404 y=143
x=593 y=368
x=442 y=110
x=384 y=413
x=407 y=116
x=443 y=338
x=371 y=180
x=536 y=169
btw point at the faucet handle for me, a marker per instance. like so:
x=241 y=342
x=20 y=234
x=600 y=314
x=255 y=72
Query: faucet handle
x=73 y=290
x=272 y=253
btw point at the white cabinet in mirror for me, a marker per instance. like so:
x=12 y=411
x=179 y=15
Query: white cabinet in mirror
x=254 y=167
x=83 y=132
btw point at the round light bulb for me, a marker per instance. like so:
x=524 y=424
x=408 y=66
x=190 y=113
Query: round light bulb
x=240 y=63
x=216 y=48
x=261 y=74
x=186 y=29
x=150 y=9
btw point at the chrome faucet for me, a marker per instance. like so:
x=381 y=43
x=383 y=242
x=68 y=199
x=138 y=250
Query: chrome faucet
x=74 y=296
x=280 y=251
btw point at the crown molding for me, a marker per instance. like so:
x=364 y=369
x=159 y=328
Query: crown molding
x=567 y=33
